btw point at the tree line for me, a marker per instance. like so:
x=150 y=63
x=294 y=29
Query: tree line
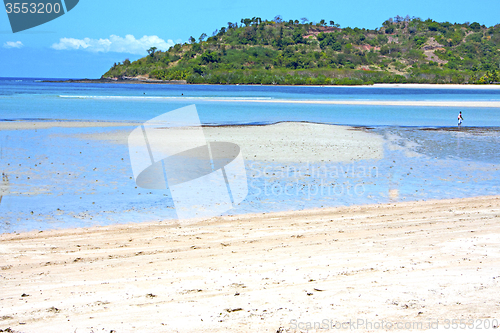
x=277 y=51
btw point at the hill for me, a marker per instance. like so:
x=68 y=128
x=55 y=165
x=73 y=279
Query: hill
x=256 y=51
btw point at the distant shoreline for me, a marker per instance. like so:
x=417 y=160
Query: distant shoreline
x=377 y=85
x=428 y=103
x=117 y=81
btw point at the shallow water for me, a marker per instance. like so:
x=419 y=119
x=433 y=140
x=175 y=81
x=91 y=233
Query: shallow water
x=60 y=178
x=27 y=99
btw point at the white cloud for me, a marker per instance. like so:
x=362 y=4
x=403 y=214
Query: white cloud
x=13 y=45
x=114 y=43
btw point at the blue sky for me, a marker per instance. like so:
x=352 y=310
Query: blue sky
x=86 y=41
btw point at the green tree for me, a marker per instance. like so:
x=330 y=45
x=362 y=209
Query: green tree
x=259 y=51
x=246 y=21
x=434 y=26
x=152 y=51
x=196 y=48
x=297 y=36
x=475 y=37
x=177 y=48
x=419 y=41
x=209 y=57
x=475 y=26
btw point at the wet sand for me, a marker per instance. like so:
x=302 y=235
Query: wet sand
x=280 y=142
x=398 y=262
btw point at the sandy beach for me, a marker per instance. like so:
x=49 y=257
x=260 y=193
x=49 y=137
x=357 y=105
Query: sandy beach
x=411 y=262
x=421 y=263
x=133 y=204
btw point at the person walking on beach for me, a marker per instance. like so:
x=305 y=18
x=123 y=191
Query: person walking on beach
x=460 y=119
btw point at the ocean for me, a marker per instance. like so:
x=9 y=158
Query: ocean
x=32 y=99
x=59 y=178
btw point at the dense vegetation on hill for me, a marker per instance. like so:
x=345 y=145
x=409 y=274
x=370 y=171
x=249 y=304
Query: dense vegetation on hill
x=274 y=51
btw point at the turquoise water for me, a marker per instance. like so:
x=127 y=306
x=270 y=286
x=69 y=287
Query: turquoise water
x=59 y=179
x=29 y=99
